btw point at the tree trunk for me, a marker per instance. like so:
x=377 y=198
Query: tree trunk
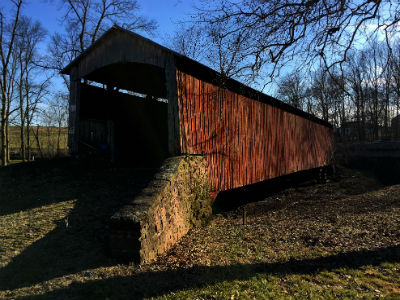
x=28 y=140
x=38 y=141
x=3 y=129
x=58 y=137
x=22 y=142
x=7 y=141
x=22 y=117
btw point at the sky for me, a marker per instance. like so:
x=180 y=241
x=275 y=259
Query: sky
x=166 y=12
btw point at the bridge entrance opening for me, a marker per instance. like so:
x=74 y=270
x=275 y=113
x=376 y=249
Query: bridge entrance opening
x=123 y=115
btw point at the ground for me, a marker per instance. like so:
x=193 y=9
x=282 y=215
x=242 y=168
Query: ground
x=332 y=240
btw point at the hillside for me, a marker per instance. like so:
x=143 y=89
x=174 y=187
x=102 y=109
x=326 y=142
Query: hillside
x=43 y=140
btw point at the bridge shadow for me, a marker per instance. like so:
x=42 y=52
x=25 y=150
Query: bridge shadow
x=34 y=184
x=78 y=241
x=232 y=199
x=153 y=284
x=356 y=178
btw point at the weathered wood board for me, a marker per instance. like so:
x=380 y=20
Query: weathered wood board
x=246 y=141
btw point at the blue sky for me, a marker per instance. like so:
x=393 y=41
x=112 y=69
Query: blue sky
x=166 y=12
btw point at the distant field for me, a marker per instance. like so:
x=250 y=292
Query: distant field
x=47 y=137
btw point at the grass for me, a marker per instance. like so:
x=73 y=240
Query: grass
x=47 y=138
x=312 y=241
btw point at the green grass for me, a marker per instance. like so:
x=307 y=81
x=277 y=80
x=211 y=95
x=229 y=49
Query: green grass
x=364 y=283
x=338 y=240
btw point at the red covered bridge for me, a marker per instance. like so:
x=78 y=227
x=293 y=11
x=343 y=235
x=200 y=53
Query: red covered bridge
x=133 y=99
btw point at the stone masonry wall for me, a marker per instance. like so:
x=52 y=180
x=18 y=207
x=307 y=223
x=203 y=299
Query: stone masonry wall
x=174 y=201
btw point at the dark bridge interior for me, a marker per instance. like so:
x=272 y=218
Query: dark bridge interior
x=127 y=127
x=135 y=77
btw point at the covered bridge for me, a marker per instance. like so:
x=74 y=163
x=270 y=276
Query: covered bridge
x=138 y=101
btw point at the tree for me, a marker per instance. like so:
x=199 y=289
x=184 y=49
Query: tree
x=292 y=89
x=394 y=64
x=35 y=93
x=356 y=82
x=55 y=115
x=8 y=34
x=207 y=43
x=276 y=31
x=188 y=41
x=30 y=34
x=373 y=70
x=319 y=93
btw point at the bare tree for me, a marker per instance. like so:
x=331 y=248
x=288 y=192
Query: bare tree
x=34 y=95
x=207 y=43
x=292 y=89
x=8 y=33
x=277 y=31
x=373 y=71
x=55 y=115
x=394 y=65
x=188 y=41
x=356 y=82
x=384 y=57
x=30 y=34
x=319 y=93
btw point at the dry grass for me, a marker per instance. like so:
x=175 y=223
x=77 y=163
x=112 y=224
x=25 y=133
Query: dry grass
x=47 y=137
x=320 y=241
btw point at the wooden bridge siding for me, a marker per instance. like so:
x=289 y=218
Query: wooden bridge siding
x=246 y=141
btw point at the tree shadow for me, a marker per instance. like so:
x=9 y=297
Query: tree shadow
x=153 y=284
x=80 y=240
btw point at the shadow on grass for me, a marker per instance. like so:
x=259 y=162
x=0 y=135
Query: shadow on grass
x=33 y=184
x=300 y=182
x=385 y=169
x=348 y=182
x=231 y=199
x=152 y=284
x=98 y=193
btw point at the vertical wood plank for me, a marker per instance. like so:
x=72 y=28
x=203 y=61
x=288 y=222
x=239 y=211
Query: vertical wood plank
x=245 y=141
